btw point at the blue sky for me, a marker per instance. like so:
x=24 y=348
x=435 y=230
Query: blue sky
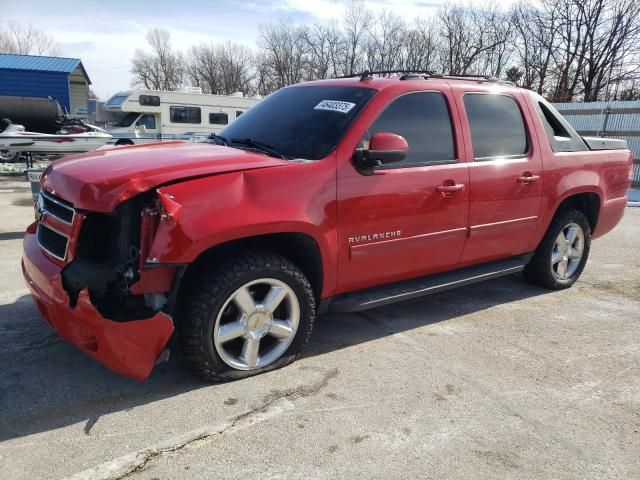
x=105 y=34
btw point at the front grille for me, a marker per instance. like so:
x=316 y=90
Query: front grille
x=56 y=207
x=52 y=241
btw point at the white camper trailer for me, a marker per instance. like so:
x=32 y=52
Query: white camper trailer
x=186 y=114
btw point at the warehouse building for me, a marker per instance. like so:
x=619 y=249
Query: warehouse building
x=63 y=79
x=615 y=119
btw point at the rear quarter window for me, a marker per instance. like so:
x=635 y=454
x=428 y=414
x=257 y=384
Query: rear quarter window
x=562 y=137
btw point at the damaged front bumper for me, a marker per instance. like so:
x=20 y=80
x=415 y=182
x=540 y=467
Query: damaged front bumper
x=130 y=348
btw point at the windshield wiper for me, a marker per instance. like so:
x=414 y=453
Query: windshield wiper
x=261 y=146
x=218 y=139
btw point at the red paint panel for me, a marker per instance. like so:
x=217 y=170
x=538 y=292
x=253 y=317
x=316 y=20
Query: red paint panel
x=154 y=280
x=129 y=348
x=386 y=249
x=226 y=194
x=503 y=210
x=432 y=225
x=99 y=180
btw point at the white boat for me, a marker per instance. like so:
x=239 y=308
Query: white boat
x=74 y=136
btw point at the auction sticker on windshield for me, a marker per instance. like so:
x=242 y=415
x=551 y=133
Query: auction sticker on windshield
x=335 y=106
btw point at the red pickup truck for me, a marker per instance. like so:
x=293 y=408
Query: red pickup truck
x=336 y=195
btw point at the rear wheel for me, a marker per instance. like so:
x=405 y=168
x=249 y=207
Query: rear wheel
x=251 y=314
x=563 y=252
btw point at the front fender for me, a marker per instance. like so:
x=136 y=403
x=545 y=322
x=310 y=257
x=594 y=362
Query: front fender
x=200 y=214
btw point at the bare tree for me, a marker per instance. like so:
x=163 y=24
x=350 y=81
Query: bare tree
x=284 y=55
x=221 y=69
x=202 y=68
x=385 y=39
x=162 y=68
x=569 y=49
x=612 y=37
x=236 y=68
x=27 y=40
x=536 y=38
x=356 y=24
x=474 y=40
x=324 y=44
x=563 y=49
x=570 y=55
x=421 y=44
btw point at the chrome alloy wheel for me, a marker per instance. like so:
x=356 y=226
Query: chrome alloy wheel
x=256 y=324
x=567 y=251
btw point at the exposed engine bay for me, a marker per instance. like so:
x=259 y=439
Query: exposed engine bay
x=111 y=261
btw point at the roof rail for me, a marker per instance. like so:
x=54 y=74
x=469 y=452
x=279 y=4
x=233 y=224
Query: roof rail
x=368 y=74
x=409 y=74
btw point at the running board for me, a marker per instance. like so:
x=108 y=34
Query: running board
x=419 y=287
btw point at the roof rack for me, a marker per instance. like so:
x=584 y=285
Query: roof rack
x=409 y=74
x=368 y=74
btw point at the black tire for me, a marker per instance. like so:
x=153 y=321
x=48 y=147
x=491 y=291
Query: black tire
x=207 y=295
x=121 y=143
x=540 y=270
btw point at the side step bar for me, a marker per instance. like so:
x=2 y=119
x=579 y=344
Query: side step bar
x=418 y=287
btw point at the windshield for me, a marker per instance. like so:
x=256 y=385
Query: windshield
x=128 y=119
x=116 y=100
x=302 y=122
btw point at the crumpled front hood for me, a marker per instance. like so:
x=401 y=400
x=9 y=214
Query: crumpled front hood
x=100 y=180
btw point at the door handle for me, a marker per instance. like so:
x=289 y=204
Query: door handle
x=528 y=178
x=448 y=190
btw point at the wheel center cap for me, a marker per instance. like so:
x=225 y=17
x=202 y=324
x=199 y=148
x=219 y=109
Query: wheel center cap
x=259 y=322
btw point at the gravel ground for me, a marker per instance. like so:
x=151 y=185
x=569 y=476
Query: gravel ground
x=496 y=380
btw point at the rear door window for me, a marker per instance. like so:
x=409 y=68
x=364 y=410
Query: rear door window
x=497 y=126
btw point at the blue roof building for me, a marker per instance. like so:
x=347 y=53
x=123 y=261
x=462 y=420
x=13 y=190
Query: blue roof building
x=63 y=79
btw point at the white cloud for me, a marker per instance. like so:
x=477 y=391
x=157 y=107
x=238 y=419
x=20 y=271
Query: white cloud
x=325 y=10
x=320 y=9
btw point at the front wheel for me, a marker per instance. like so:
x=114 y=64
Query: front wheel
x=251 y=314
x=563 y=252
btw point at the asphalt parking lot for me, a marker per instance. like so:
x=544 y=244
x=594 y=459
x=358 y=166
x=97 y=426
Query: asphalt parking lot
x=496 y=380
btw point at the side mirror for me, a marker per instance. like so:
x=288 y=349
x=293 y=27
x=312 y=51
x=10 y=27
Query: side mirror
x=142 y=127
x=384 y=147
